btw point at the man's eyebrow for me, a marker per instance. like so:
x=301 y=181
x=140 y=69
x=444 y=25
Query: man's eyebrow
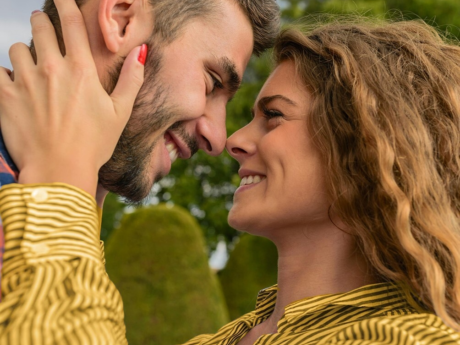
x=233 y=79
x=264 y=101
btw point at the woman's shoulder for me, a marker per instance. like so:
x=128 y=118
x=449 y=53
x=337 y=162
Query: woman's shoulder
x=412 y=329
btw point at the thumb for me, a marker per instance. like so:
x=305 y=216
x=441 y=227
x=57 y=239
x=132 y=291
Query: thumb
x=129 y=83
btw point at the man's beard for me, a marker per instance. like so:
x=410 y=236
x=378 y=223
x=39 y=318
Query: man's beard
x=126 y=173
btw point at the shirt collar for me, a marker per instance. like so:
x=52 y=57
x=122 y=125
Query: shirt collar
x=383 y=295
x=266 y=301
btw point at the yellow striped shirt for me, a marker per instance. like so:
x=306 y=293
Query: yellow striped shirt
x=54 y=284
x=56 y=290
x=375 y=314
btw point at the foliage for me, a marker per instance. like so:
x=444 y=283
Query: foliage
x=366 y=7
x=252 y=266
x=157 y=259
x=295 y=9
x=111 y=215
x=444 y=14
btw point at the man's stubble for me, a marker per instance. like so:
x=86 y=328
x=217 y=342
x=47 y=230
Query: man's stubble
x=127 y=172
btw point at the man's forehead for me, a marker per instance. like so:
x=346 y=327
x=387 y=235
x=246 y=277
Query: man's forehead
x=227 y=34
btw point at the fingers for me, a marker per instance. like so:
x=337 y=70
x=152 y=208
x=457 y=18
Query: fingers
x=44 y=35
x=129 y=83
x=73 y=30
x=5 y=83
x=5 y=76
x=6 y=92
x=20 y=57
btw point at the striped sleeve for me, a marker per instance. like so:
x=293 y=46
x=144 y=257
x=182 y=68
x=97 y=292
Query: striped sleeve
x=54 y=284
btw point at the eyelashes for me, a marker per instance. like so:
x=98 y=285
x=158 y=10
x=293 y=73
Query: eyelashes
x=271 y=113
x=217 y=84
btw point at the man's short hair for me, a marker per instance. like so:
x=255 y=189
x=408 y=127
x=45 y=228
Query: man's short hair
x=172 y=15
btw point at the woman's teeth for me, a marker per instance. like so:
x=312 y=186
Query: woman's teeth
x=251 y=180
x=172 y=149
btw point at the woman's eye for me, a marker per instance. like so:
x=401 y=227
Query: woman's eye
x=271 y=113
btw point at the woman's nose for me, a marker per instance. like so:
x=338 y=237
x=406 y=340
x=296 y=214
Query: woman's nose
x=241 y=143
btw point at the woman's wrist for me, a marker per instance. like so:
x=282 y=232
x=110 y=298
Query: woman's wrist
x=83 y=179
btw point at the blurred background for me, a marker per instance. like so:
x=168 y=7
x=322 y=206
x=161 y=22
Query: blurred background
x=181 y=269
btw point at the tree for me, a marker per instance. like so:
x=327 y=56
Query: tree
x=157 y=259
x=111 y=215
x=253 y=265
x=443 y=14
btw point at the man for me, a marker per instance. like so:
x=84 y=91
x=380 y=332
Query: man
x=198 y=50
x=194 y=67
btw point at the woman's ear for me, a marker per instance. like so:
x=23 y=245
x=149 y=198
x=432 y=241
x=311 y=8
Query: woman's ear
x=115 y=17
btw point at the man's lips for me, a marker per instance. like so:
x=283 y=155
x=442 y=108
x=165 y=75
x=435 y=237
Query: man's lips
x=183 y=150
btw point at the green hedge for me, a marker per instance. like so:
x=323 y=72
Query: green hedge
x=251 y=267
x=158 y=261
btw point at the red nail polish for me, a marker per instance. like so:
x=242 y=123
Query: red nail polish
x=36 y=11
x=143 y=54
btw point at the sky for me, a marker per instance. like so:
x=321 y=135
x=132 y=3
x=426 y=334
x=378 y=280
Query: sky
x=15 y=25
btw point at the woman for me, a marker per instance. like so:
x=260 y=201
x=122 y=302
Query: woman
x=350 y=166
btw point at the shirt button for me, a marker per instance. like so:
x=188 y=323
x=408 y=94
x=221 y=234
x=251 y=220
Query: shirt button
x=40 y=195
x=41 y=249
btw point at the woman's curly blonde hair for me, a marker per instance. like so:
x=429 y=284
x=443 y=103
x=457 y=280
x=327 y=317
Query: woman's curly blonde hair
x=386 y=119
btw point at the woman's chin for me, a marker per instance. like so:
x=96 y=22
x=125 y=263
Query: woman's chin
x=232 y=220
x=241 y=222
x=236 y=221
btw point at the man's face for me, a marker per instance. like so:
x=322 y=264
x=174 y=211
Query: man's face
x=182 y=105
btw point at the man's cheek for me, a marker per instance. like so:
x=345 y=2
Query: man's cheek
x=192 y=103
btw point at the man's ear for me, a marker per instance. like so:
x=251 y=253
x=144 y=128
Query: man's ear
x=114 y=18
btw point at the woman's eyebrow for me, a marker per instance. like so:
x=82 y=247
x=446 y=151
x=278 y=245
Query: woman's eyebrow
x=264 y=101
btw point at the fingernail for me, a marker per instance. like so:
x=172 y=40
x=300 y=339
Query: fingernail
x=36 y=11
x=143 y=54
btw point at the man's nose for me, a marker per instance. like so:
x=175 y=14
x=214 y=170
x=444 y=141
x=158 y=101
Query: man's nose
x=211 y=131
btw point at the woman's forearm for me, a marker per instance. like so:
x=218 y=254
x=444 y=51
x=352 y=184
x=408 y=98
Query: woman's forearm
x=54 y=284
